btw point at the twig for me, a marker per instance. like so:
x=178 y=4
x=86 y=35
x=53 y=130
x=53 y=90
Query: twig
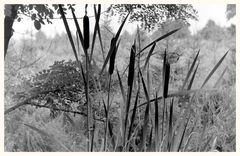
x=26 y=102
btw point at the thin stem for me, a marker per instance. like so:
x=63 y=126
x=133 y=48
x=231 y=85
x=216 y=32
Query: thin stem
x=107 y=114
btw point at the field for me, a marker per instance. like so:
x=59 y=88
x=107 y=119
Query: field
x=160 y=89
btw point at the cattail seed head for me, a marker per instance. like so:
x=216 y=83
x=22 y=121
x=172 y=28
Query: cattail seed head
x=86 y=32
x=112 y=57
x=131 y=65
x=166 y=79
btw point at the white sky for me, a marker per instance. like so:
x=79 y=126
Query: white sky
x=215 y=12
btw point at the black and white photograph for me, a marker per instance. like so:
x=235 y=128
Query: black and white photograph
x=119 y=77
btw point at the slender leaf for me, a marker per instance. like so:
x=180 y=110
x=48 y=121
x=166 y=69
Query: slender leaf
x=220 y=78
x=180 y=135
x=214 y=144
x=193 y=76
x=170 y=135
x=68 y=31
x=214 y=69
x=133 y=115
x=96 y=27
x=79 y=33
x=156 y=125
x=121 y=87
x=146 y=116
x=148 y=56
x=190 y=70
x=159 y=39
x=114 y=42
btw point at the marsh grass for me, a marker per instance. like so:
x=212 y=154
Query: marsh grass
x=144 y=124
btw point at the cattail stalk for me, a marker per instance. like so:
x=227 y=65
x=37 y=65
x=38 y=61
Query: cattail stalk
x=130 y=83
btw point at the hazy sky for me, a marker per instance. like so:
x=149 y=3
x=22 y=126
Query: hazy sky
x=215 y=12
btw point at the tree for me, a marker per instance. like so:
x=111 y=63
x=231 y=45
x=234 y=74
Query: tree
x=39 y=14
x=153 y=15
x=231 y=11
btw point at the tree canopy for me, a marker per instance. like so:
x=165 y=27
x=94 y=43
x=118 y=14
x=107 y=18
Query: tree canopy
x=152 y=15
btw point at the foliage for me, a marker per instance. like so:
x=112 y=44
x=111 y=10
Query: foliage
x=152 y=15
x=231 y=11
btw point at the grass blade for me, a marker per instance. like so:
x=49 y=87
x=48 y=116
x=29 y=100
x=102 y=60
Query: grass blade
x=146 y=116
x=46 y=135
x=190 y=70
x=193 y=76
x=202 y=135
x=180 y=135
x=68 y=31
x=148 y=56
x=133 y=115
x=121 y=87
x=114 y=42
x=214 y=144
x=79 y=33
x=159 y=39
x=96 y=27
x=214 y=69
x=179 y=93
x=220 y=78
x=156 y=125
x=150 y=140
x=170 y=135
x=130 y=85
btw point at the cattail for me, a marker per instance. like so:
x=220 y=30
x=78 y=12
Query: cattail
x=131 y=65
x=166 y=79
x=112 y=57
x=86 y=32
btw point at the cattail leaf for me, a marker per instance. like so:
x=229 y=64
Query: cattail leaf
x=148 y=56
x=214 y=69
x=96 y=27
x=68 y=31
x=179 y=93
x=190 y=70
x=133 y=115
x=120 y=28
x=121 y=87
x=146 y=116
x=150 y=144
x=220 y=78
x=114 y=42
x=193 y=76
x=170 y=134
x=156 y=125
x=180 y=134
x=159 y=39
x=113 y=56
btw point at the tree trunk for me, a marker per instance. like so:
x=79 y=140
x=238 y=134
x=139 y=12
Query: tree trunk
x=10 y=12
